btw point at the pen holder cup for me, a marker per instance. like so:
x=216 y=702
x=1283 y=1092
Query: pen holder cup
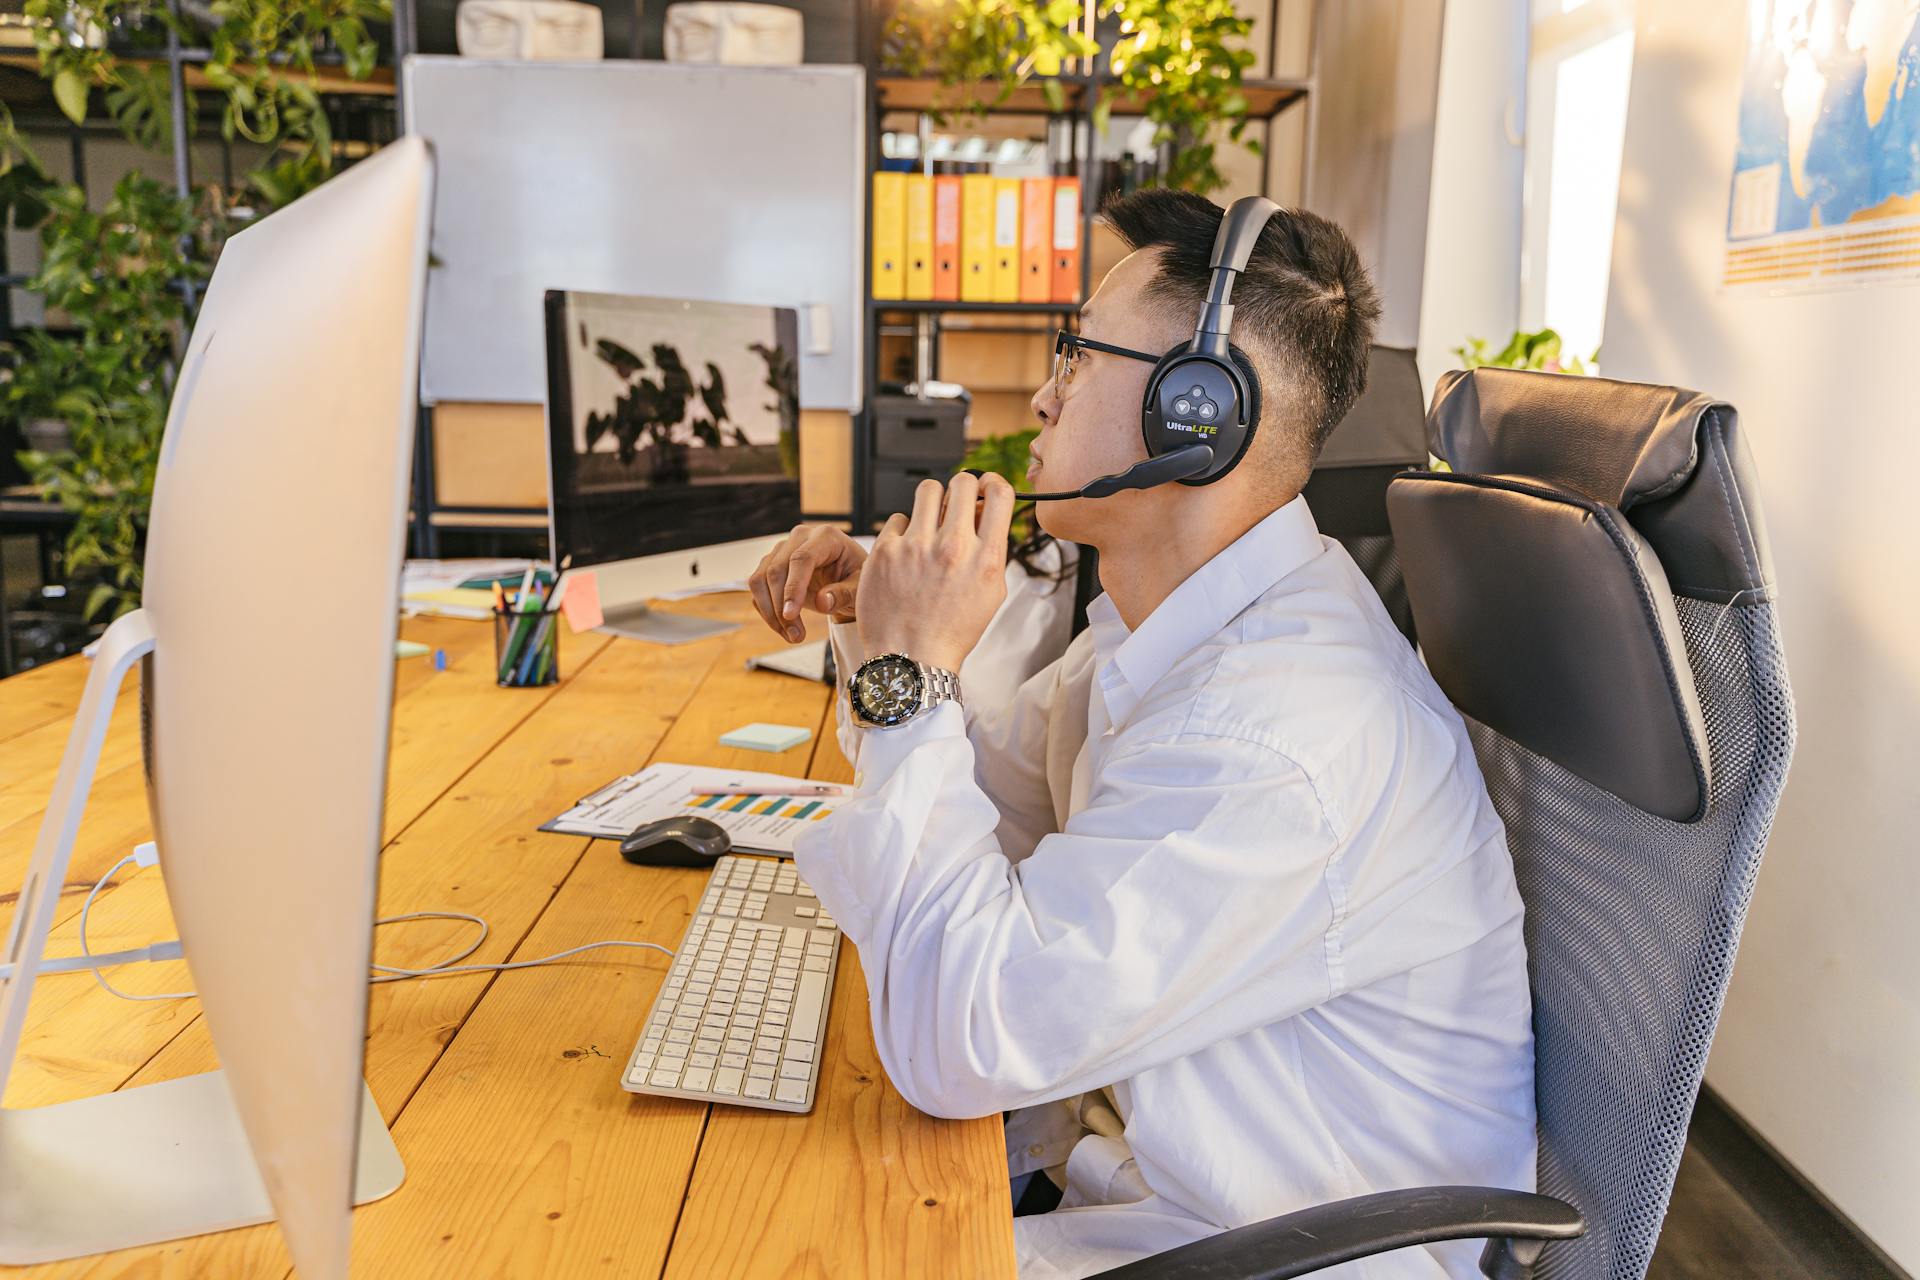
x=526 y=649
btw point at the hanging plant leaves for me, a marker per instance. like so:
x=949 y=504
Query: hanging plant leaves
x=70 y=94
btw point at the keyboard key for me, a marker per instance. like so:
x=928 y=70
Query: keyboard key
x=637 y=1076
x=768 y=1058
x=757 y=1088
x=706 y=1060
x=807 y=1003
x=678 y=1036
x=791 y=1070
x=664 y=1077
x=817 y=964
x=727 y=1080
x=642 y=1062
x=794 y=1091
x=733 y=1061
x=696 y=1079
x=800 y=1051
x=761 y=1070
x=806 y=913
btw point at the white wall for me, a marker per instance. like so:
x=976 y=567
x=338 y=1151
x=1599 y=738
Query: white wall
x=1820 y=1045
x=1373 y=117
x=1472 y=267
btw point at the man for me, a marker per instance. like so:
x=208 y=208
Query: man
x=1218 y=909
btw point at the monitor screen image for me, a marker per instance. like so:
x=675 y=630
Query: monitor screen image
x=671 y=424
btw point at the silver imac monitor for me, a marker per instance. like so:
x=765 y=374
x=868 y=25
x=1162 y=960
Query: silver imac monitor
x=286 y=456
x=673 y=447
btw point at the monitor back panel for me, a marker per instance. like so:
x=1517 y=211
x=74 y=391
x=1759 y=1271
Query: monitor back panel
x=273 y=565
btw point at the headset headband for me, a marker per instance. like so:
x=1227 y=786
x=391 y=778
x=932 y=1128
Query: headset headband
x=1239 y=230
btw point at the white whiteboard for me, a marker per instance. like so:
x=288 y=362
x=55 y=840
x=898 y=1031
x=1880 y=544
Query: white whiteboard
x=718 y=184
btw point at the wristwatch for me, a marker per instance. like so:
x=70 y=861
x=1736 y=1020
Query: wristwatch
x=891 y=689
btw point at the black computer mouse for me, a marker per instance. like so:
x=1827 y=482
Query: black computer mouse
x=677 y=842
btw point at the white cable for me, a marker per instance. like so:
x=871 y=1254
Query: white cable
x=384 y=973
x=87 y=907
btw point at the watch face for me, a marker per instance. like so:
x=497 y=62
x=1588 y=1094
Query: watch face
x=886 y=690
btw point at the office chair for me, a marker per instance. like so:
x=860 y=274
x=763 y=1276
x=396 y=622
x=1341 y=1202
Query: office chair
x=1594 y=591
x=1381 y=436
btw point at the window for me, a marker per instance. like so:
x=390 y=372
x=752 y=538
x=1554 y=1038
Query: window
x=1579 y=66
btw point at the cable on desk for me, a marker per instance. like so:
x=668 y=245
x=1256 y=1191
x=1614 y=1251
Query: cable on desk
x=383 y=973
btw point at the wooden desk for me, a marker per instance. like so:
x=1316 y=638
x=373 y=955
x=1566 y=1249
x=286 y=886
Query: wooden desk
x=524 y=1156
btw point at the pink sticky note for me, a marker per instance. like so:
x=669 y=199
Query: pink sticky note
x=581 y=604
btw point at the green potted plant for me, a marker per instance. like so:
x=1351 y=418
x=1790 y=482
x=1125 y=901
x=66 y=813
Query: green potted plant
x=1179 y=61
x=119 y=275
x=1541 y=350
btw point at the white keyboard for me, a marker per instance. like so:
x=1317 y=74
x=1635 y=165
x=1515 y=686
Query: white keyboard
x=742 y=1015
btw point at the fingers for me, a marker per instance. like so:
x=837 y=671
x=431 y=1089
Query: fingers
x=800 y=570
x=996 y=513
x=836 y=599
x=927 y=498
x=958 y=521
x=895 y=527
x=762 y=594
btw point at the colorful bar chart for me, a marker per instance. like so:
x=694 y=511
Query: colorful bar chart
x=793 y=808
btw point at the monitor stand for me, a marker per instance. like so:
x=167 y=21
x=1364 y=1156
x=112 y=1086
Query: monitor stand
x=638 y=622
x=141 y=1165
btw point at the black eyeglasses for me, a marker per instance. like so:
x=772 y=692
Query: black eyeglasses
x=1066 y=351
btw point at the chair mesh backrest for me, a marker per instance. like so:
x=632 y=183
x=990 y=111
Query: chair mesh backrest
x=1633 y=920
x=1375 y=556
x=1632 y=924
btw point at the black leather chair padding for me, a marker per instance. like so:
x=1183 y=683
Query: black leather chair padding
x=1673 y=460
x=1546 y=617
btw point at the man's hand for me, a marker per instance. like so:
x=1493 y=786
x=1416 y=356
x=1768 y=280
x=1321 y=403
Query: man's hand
x=815 y=567
x=933 y=583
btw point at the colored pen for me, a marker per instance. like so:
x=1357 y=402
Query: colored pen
x=812 y=789
x=523 y=604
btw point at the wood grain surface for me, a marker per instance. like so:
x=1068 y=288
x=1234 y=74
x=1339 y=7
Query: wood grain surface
x=524 y=1156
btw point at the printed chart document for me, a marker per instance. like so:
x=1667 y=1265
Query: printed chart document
x=757 y=823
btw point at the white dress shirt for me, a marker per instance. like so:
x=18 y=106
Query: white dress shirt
x=1219 y=907
x=1030 y=629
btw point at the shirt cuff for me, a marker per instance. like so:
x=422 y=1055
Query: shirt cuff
x=845 y=639
x=882 y=750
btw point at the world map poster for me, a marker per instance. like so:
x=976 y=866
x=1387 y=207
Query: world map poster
x=1826 y=181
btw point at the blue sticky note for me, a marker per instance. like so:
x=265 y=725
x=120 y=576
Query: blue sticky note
x=765 y=737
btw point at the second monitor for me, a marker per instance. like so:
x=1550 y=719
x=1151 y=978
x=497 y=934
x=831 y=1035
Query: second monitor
x=673 y=446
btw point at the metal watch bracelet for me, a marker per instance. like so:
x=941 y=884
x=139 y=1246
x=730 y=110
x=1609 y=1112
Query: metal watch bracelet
x=937 y=684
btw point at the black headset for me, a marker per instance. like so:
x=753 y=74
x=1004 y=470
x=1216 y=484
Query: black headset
x=1203 y=399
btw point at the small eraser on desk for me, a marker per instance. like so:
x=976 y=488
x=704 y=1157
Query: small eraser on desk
x=765 y=737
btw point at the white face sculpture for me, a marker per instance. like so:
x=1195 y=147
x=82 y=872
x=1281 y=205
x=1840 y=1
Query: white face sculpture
x=529 y=30
x=737 y=35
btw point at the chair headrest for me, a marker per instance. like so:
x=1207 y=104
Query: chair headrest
x=1387 y=424
x=1674 y=461
x=1542 y=569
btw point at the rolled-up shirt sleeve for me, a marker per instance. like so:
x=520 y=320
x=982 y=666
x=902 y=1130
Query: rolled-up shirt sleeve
x=1187 y=902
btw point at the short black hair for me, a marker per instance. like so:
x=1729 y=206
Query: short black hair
x=1305 y=301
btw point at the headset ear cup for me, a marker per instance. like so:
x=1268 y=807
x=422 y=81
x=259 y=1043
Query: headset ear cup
x=1232 y=450
x=1253 y=392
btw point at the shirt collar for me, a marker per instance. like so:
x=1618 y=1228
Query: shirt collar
x=1129 y=663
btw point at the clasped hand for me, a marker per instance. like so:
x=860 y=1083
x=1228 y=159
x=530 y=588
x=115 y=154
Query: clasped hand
x=928 y=588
